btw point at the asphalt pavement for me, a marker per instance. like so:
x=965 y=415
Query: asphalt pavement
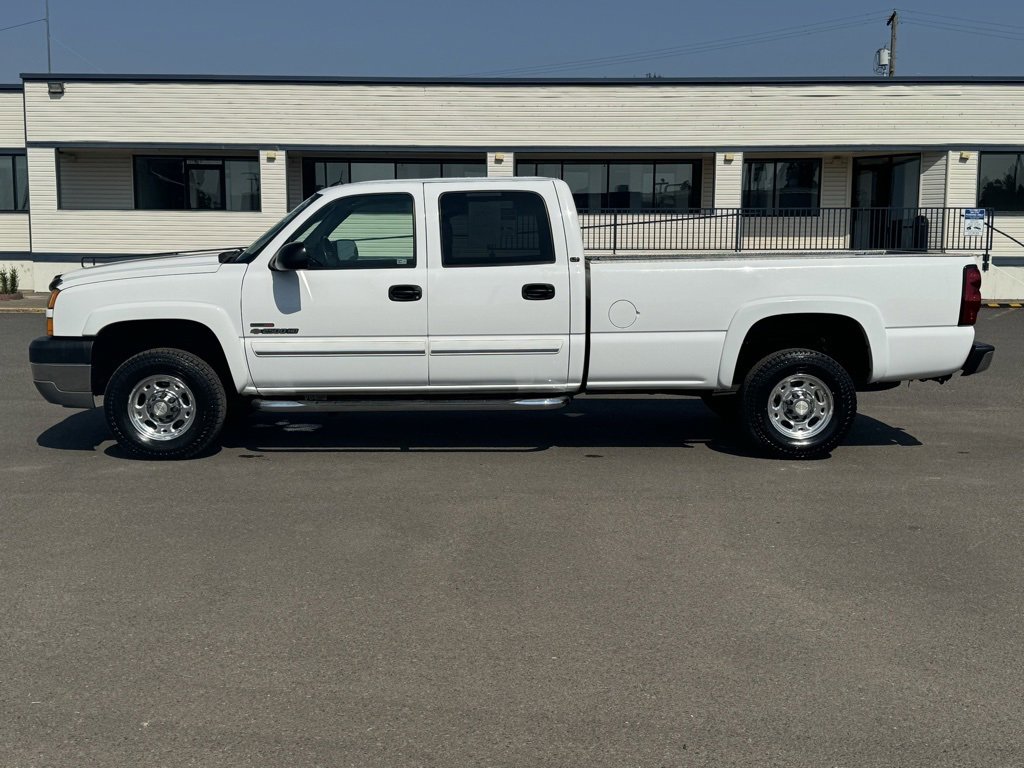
x=618 y=584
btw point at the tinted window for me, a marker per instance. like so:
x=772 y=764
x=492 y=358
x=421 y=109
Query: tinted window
x=159 y=183
x=779 y=185
x=372 y=171
x=242 y=184
x=493 y=229
x=677 y=186
x=197 y=183
x=204 y=185
x=418 y=170
x=588 y=183
x=1001 y=181
x=463 y=170
x=318 y=173
x=7 y=195
x=622 y=185
x=631 y=185
x=362 y=232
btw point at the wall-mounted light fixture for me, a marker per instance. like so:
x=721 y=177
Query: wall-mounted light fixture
x=55 y=89
x=271 y=155
x=729 y=157
x=965 y=156
x=499 y=157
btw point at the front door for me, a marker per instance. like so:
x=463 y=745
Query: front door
x=885 y=199
x=499 y=289
x=356 y=319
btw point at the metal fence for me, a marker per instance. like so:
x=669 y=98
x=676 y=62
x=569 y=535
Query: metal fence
x=813 y=229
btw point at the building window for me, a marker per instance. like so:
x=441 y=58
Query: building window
x=165 y=183
x=494 y=229
x=770 y=186
x=318 y=173
x=633 y=186
x=13 y=183
x=1001 y=181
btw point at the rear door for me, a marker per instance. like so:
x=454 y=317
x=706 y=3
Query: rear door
x=498 y=281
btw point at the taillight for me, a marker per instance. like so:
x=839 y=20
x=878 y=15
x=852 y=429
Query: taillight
x=49 y=310
x=970 y=298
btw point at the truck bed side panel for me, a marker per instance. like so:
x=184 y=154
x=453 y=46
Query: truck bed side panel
x=680 y=322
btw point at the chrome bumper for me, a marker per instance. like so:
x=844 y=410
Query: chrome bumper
x=62 y=370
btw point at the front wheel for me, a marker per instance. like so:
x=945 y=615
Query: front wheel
x=798 y=403
x=165 y=404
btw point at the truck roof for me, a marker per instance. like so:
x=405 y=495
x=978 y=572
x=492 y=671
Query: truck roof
x=338 y=189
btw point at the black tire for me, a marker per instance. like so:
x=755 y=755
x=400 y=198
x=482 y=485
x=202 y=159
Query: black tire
x=189 y=392
x=726 y=406
x=791 y=421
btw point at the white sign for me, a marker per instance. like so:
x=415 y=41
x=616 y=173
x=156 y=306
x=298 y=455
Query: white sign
x=974 y=222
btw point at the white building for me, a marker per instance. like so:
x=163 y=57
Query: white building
x=135 y=164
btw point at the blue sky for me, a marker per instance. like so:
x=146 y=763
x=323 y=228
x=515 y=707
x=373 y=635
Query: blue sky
x=530 y=37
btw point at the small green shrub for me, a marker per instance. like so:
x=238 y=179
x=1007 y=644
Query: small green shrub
x=14 y=280
x=5 y=281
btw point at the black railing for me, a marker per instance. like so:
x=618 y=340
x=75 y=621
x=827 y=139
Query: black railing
x=914 y=230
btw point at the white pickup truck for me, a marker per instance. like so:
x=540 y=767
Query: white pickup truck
x=477 y=294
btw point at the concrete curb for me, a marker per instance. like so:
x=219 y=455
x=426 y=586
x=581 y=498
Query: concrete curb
x=31 y=303
x=1002 y=304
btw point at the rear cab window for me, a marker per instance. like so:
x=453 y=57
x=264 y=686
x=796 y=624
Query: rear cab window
x=494 y=229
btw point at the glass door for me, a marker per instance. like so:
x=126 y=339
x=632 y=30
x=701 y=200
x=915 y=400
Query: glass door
x=885 y=199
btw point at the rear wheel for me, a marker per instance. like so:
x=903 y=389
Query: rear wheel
x=798 y=403
x=165 y=404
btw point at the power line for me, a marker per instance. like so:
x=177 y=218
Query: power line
x=682 y=51
x=1004 y=35
x=23 y=24
x=68 y=48
x=711 y=45
x=997 y=24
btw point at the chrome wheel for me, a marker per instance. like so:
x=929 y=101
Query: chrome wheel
x=161 y=408
x=800 y=406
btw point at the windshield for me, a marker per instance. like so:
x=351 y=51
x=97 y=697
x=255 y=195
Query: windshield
x=260 y=243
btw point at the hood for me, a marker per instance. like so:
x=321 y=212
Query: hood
x=147 y=266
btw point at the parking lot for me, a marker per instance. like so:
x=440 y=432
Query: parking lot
x=617 y=584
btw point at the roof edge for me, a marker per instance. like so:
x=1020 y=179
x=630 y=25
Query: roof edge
x=18 y=87
x=518 y=81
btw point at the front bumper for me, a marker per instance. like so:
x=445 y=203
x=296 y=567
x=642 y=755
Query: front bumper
x=62 y=370
x=979 y=359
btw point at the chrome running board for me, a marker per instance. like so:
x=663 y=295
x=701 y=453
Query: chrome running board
x=529 y=404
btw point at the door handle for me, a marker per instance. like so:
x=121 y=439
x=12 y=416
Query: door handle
x=405 y=293
x=538 y=291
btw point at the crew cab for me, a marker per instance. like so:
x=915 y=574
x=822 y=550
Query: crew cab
x=477 y=294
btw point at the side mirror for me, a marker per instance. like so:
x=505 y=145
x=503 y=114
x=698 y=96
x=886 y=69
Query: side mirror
x=290 y=257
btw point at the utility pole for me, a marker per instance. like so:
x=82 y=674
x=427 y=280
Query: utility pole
x=892 y=23
x=49 y=67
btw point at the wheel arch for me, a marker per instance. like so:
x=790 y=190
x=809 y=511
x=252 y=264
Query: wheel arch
x=849 y=329
x=118 y=341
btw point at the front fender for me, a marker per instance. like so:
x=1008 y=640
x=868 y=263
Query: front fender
x=865 y=314
x=213 y=317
